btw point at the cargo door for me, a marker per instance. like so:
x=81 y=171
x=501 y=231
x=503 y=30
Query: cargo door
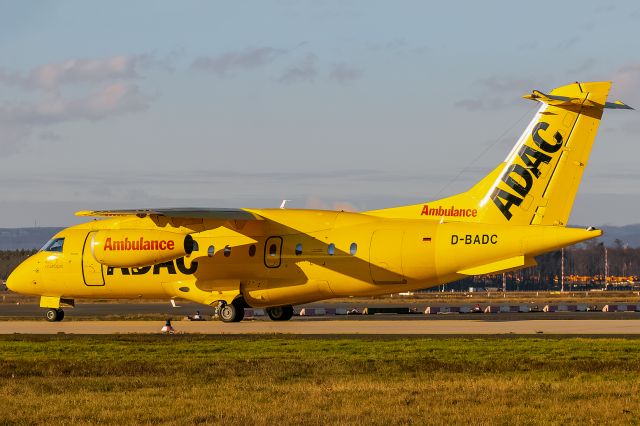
x=385 y=257
x=92 y=270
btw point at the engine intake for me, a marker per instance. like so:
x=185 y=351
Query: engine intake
x=136 y=248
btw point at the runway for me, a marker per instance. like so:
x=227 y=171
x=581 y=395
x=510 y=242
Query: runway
x=340 y=327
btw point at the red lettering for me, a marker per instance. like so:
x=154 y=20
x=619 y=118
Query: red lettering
x=453 y=211
x=141 y=244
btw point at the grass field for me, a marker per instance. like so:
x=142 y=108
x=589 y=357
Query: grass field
x=180 y=379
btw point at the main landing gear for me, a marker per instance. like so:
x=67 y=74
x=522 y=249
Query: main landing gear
x=54 y=315
x=280 y=313
x=232 y=312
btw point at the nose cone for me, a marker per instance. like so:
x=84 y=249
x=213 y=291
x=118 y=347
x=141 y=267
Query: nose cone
x=18 y=279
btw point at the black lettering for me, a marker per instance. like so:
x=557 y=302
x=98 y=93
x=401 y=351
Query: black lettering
x=467 y=239
x=498 y=195
x=476 y=240
x=527 y=153
x=125 y=271
x=171 y=269
x=515 y=185
x=140 y=271
x=454 y=240
x=485 y=239
x=494 y=239
x=183 y=269
x=544 y=145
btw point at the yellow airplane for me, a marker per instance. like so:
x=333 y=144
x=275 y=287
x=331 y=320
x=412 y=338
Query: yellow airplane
x=277 y=258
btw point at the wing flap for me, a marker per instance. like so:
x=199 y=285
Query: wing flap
x=182 y=213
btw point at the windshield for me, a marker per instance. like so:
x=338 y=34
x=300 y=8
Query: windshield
x=54 y=244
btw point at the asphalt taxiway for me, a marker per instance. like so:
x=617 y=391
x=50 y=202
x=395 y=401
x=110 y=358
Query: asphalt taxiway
x=347 y=327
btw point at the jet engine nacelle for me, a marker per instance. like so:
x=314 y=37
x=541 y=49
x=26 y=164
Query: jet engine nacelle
x=136 y=248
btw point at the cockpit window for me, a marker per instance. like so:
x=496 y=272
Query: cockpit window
x=54 y=244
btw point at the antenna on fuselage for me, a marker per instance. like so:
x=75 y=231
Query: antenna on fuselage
x=283 y=203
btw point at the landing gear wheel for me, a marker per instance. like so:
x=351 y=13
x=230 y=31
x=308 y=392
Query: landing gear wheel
x=232 y=312
x=280 y=313
x=54 y=315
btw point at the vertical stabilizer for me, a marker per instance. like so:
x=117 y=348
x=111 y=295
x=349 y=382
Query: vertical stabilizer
x=538 y=181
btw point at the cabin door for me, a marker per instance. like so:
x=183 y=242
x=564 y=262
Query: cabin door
x=92 y=270
x=273 y=252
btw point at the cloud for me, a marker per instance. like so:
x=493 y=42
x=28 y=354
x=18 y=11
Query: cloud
x=102 y=88
x=399 y=46
x=48 y=135
x=497 y=92
x=470 y=104
x=586 y=65
x=238 y=60
x=115 y=99
x=305 y=70
x=19 y=121
x=627 y=79
x=53 y=76
x=568 y=43
x=344 y=74
x=507 y=84
x=316 y=203
x=12 y=137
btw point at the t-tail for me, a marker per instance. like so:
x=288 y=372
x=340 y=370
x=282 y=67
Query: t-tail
x=538 y=181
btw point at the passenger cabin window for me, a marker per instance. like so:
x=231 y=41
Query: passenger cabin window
x=298 y=249
x=55 y=244
x=252 y=250
x=227 y=251
x=273 y=250
x=353 y=249
x=331 y=249
x=211 y=251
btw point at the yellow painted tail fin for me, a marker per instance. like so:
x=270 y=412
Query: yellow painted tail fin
x=538 y=181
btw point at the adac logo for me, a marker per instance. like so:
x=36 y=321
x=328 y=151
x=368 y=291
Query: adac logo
x=519 y=178
x=451 y=212
x=157 y=269
x=141 y=244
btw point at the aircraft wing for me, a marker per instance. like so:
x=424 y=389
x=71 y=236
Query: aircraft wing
x=183 y=213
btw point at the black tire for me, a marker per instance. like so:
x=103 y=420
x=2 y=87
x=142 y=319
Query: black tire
x=232 y=312
x=280 y=313
x=54 y=315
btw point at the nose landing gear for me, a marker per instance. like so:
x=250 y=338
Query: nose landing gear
x=54 y=315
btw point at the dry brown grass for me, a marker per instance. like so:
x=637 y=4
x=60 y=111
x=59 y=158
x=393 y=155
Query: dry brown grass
x=273 y=380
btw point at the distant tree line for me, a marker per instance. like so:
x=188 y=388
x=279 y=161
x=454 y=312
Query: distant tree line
x=9 y=259
x=584 y=268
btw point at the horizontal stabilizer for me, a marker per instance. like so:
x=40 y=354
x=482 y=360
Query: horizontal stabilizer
x=500 y=266
x=561 y=101
x=555 y=100
x=616 y=105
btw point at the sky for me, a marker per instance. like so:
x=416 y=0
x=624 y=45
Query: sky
x=354 y=105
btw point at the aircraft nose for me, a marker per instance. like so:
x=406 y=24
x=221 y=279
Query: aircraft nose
x=17 y=280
